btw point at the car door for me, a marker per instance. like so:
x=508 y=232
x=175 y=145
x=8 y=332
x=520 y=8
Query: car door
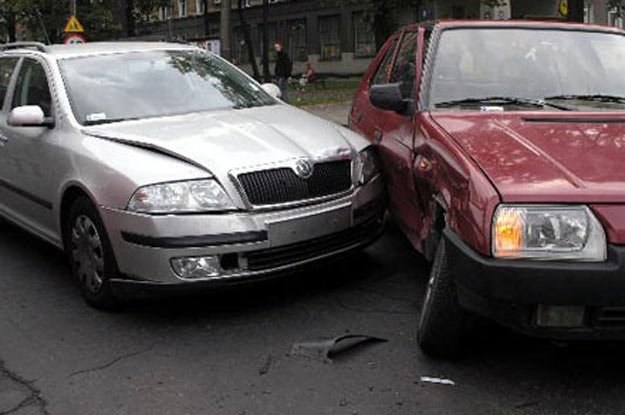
x=26 y=166
x=8 y=65
x=396 y=141
x=364 y=117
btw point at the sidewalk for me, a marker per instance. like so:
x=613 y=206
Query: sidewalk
x=337 y=113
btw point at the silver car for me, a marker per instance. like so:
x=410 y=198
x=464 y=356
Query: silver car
x=162 y=166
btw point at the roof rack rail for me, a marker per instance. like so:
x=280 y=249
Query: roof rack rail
x=24 y=45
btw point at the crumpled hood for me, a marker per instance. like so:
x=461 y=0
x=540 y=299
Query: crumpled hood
x=221 y=141
x=534 y=157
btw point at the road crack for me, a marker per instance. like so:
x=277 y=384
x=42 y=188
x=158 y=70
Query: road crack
x=33 y=399
x=110 y=363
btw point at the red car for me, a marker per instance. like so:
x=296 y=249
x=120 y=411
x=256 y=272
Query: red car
x=503 y=146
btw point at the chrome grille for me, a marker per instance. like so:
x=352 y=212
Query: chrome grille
x=282 y=185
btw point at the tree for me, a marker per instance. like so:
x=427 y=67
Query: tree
x=43 y=19
x=99 y=20
x=575 y=11
x=34 y=15
x=224 y=29
x=385 y=19
x=265 y=42
x=205 y=18
x=247 y=37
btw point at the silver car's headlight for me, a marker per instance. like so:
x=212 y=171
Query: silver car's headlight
x=181 y=197
x=368 y=165
x=548 y=233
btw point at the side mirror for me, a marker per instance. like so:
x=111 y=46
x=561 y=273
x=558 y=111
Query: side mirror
x=387 y=97
x=272 y=89
x=29 y=116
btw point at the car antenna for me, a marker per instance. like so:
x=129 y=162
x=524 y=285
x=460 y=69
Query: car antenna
x=43 y=26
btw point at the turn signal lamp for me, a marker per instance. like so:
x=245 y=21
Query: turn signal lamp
x=508 y=233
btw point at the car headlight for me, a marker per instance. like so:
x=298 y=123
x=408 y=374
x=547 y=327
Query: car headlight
x=180 y=197
x=548 y=233
x=368 y=165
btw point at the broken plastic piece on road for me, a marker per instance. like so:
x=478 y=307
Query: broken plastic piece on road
x=325 y=349
x=439 y=381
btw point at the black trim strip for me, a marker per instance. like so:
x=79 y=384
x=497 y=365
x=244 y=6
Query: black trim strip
x=195 y=241
x=41 y=202
x=579 y=119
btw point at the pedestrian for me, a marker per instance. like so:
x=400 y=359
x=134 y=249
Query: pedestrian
x=310 y=73
x=282 y=70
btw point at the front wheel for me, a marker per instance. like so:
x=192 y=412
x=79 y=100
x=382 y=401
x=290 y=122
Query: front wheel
x=90 y=254
x=442 y=321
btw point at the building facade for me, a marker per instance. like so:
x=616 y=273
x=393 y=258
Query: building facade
x=336 y=37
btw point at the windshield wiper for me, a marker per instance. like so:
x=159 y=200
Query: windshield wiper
x=592 y=97
x=108 y=121
x=502 y=101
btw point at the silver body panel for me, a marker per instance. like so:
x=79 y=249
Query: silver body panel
x=110 y=162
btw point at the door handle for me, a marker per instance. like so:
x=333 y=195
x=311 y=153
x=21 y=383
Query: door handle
x=3 y=140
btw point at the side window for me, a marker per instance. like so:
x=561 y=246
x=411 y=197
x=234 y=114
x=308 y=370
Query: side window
x=381 y=75
x=404 y=69
x=32 y=87
x=7 y=66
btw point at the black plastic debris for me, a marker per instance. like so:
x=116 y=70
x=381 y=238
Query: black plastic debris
x=326 y=349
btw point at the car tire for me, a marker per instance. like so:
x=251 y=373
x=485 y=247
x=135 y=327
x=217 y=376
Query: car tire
x=442 y=321
x=90 y=254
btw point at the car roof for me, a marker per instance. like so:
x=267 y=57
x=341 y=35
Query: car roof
x=524 y=24
x=98 y=48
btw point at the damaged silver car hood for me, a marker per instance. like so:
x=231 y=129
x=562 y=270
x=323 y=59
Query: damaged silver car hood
x=222 y=141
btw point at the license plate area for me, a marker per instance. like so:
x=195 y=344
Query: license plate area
x=310 y=226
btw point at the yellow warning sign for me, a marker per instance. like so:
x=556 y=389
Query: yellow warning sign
x=563 y=8
x=73 y=26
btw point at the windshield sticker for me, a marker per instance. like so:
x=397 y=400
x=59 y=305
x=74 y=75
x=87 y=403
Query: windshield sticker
x=97 y=116
x=490 y=108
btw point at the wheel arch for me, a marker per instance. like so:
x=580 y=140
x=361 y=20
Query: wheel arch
x=70 y=194
x=438 y=223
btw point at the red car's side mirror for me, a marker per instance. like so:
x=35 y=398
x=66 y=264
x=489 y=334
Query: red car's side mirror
x=387 y=97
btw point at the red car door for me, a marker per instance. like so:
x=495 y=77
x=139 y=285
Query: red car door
x=396 y=140
x=364 y=117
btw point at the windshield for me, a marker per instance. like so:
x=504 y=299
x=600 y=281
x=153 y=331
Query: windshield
x=108 y=88
x=570 y=69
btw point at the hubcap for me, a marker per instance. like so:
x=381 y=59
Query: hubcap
x=87 y=254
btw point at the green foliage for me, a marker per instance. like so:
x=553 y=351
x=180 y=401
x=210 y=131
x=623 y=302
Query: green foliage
x=42 y=19
x=98 y=20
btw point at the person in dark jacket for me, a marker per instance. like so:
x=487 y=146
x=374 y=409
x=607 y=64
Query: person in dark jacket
x=282 y=70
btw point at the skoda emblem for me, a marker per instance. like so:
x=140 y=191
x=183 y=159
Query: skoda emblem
x=303 y=168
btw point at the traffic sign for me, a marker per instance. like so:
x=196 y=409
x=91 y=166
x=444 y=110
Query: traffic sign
x=73 y=26
x=74 y=39
x=563 y=8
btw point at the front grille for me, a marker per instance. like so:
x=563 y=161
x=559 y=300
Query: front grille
x=282 y=185
x=301 y=251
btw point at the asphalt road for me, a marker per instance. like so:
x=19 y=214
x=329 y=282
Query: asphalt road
x=230 y=352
